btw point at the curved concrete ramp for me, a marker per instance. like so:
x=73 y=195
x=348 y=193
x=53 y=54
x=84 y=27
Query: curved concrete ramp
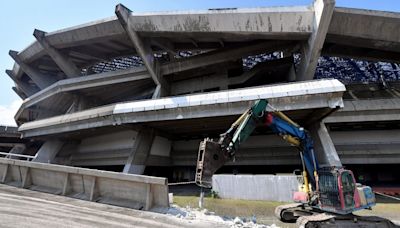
x=24 y=208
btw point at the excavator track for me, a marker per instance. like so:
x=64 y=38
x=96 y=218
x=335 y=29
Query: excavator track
x=285 y=213
x=349 y=221
x=306 y=217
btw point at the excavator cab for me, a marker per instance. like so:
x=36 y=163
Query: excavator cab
x=339 y=192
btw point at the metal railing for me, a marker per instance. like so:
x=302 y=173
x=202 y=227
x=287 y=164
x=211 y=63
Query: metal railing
x=11 y=155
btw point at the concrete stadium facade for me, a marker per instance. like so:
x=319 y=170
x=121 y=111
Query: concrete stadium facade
x=141 y=90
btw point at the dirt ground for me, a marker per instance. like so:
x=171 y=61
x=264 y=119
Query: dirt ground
x=263 y=211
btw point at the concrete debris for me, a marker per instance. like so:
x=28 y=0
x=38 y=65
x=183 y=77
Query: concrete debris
x=237 y=220
x=197 y=215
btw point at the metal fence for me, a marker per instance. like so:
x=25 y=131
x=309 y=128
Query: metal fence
x=14 y=156
x=255 y=187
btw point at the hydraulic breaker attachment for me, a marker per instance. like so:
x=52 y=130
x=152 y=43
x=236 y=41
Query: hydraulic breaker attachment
x=210 y=159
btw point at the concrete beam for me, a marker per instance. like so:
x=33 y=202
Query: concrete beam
x=136 y=161
x=225 y=55
x=8 y=131
x=324 y=149
x=323 y=10
x=268 y=21
x=143 y=48
x=73 y=85
x=62 y=61
x=366 y=111
x=41 y=80
x=21 y=94
x=48 y=151
x=291 y=96
x=24 y=86
x=367 y=28
x=354 y=52
x=221 y=80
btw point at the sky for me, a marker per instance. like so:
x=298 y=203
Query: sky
x=19 y=18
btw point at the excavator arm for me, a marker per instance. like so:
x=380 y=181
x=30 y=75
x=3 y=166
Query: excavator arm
x=214 y=154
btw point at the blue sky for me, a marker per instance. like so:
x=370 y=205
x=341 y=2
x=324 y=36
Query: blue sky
x=19 y=18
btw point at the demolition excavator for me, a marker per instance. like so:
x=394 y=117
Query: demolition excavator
x=327 y=196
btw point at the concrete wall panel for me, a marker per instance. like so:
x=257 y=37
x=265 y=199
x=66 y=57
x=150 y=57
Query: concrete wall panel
x=127 y=190
x=113 y=141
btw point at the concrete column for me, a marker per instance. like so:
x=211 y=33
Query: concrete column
x=80 y=102
x=323 y=10
x=24 y=86
x=157 y=92
x=41 y=80
x=291 y=76
x=136 y=162
x=17 y=149
x=48 y=151
x=62 y=61
x=21 y=94
x=324 y=148
x=143 y=48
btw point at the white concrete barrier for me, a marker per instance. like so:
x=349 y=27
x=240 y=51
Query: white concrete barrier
x=255 y=187
x=127 y=190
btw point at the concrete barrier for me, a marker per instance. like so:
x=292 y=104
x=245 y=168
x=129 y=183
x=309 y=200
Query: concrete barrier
x=127 y=190
x=255 y=187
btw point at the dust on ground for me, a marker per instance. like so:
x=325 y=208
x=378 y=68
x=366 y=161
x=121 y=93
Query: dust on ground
x=263 y=211
x=203 y=215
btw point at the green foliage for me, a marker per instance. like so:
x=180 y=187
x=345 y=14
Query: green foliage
x=214 y=194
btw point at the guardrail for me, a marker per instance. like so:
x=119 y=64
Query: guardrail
x=126 y=190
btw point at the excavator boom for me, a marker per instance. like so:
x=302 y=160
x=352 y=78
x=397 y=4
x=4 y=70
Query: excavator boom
x=214 y=154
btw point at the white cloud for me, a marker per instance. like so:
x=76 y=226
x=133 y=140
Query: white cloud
x=7 y=113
